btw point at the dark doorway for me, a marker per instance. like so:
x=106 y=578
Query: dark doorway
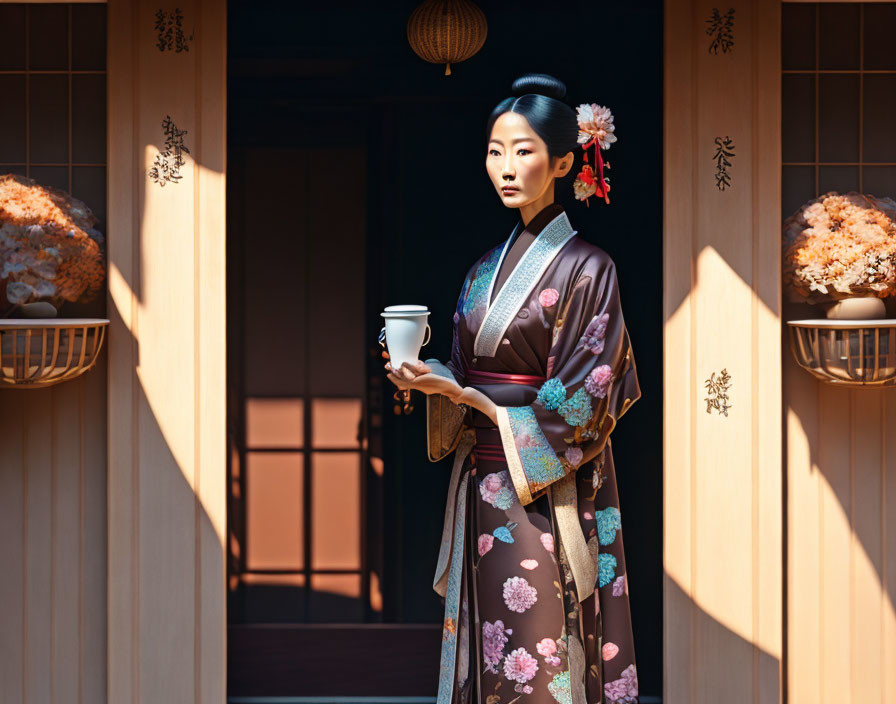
x=356 y=180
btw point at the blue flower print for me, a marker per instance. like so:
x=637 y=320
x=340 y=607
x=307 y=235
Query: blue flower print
x=502 y=533
x=606 y=568
x=551 y=394
x=576 y=410
x=608 y=522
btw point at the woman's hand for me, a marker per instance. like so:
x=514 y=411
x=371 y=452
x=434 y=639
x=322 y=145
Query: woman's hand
x=419 y=375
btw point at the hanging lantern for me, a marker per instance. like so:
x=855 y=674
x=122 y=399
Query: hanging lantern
x=446 y=31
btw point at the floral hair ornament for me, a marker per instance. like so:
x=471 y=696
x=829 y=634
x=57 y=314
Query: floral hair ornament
x=595 y=129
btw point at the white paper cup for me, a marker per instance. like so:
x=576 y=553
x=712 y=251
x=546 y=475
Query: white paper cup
x=406 y=331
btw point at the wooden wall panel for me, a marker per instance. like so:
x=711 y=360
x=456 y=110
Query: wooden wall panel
x=167 y=404
x=723 y=499
x=53 y=542
x=841 y=501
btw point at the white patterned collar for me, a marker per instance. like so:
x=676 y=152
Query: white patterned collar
x=517 y=287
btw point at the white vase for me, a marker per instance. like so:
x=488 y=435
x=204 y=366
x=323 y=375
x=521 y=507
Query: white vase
x=858 y=308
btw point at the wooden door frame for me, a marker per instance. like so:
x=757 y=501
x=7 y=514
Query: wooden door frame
x=144 y=463
x=723 y=596
x=166 y=391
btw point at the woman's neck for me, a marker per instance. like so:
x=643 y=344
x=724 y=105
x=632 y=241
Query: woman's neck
x=530 y=210
x=537 y=221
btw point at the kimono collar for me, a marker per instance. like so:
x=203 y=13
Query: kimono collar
x=519 y=284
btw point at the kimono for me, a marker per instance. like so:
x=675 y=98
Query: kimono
x=531 y=562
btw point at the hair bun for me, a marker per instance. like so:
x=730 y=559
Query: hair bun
x=540 y=84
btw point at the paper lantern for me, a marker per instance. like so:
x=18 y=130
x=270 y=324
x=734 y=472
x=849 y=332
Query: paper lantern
x=446 y=31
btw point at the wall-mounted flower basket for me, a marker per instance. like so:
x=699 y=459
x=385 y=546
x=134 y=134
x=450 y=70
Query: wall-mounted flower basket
x=38 y=353
x=846 y=352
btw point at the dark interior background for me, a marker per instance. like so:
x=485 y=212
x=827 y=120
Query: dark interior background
x=408 y=146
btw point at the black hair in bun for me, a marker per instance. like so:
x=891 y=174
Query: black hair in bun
x=539 y=98
x=539 y=83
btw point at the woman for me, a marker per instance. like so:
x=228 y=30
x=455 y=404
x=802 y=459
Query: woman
x=532 y=566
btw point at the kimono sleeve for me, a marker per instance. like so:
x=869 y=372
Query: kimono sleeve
x=591 y=382
x=444 y=419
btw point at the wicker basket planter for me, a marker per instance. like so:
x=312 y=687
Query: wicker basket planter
x=846 y=352
x=38 y=353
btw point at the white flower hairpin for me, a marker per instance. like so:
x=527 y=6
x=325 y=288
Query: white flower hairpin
x=596 y=129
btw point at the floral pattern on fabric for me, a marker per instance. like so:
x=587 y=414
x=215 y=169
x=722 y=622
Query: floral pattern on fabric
x=551 y=394
x=598 y=381
x=560 y=689
x=547 y=648
x=620 y=586
x=574 y=455
x=476 y=294
x=577 y=410
x=548 y=297
x=609 y=651
x=502 y=533
x=519 y=595
x=593 y=339
x=539 y=461
x=494 y=638
x=609 y=520
x=625 y=689
x=486 y=541
x=519 y=666
x=606 y=568
x=497 y=489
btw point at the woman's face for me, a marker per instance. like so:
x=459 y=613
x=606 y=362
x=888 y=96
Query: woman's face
x=518 y=162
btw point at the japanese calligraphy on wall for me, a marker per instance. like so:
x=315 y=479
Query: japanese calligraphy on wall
x=721 y=29
x=722 y=158
x=169 y=28
x=717 y=388
x=166 y=166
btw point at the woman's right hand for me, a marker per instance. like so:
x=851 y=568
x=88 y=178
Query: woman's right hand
x=419 y=375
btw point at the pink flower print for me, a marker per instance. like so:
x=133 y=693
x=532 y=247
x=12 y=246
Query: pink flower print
x=546 y=647
x=519 y=666
x=527 y=689
x=548 y=297
x=494 y=638
x=529 y=564
x=597 y=382
x=588 y=516
x=493 y=481
x=490 y=486
x=574 y=455
x=609 y=651
x=519 y=595
x=625 y=689
x=620 y=586
x=547 y=540
x=486 y=541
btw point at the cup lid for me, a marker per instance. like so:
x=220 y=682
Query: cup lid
x=389 y=311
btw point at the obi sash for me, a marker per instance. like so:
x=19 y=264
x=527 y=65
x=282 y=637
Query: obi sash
x=450 y=578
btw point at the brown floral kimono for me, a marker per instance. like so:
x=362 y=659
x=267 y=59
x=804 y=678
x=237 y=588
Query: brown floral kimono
x=531 y=564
